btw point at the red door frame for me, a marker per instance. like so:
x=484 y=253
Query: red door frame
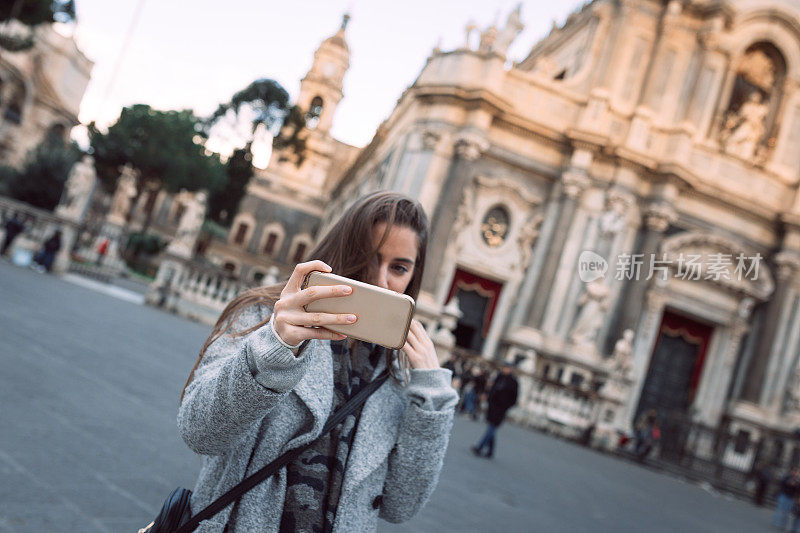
x=467 y=281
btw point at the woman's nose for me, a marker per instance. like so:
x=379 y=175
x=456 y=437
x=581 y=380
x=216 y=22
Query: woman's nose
x=383 y=278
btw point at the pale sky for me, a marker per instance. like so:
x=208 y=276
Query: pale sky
x=197 y=54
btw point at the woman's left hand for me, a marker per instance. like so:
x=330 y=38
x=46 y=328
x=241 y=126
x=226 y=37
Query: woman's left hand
x=419 y=347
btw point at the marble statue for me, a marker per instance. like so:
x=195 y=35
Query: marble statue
x=621 y=358
x=468 y=29
x=527 y=235
x=123 y=196
x=593 y=305
x=509 y=32
x=488 y=39
x=78 y=189
x=189 y=226
x=466 y=209
x=612 y=221
x=746 y=127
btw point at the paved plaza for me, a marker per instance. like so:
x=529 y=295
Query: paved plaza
x=89 y=393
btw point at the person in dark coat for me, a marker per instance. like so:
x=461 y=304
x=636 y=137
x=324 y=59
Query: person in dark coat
x=48 y=252
x=502 y=397
x=464 y=382
x=762 y=476
x=788 y=490
x=479 y=390
x=14 y=226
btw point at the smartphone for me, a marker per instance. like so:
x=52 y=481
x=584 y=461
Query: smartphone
x=384 y=316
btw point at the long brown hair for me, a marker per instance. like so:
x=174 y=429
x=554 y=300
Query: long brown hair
x=348 y=249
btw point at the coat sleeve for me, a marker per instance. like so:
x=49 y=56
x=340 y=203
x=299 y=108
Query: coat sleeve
x=417 y=458
x=238 y=381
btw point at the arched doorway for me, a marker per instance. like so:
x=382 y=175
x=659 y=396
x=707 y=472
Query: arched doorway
x=675 y=367
x=477 y=299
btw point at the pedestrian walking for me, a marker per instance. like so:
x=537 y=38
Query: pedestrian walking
x=788 y=491
x=464 y=386
x=502 y=397
x=48 y=252
x=479 y=388
x=270 y=374
x=761 y=478
x=13 y=226
x=102 y=250
x=648 y=433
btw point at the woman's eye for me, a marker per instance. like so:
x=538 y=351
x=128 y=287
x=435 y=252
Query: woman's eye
x=401 y=269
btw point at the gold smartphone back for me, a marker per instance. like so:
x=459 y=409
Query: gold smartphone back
x=384 y=316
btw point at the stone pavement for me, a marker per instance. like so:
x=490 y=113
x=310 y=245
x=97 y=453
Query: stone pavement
x=89 y=393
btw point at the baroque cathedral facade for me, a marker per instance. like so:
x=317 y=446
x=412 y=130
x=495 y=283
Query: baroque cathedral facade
x=41 y=89
x=618 y=211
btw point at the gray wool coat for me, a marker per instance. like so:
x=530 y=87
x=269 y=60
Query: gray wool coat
x=251 y=399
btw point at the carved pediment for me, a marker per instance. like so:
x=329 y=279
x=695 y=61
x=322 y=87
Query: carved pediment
x=699 y=256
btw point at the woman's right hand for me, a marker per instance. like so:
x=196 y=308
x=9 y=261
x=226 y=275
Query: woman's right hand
x=292 y=323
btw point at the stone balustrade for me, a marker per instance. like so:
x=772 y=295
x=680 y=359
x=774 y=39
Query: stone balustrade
x=199 y=292
x=40 y=225
x=553 y=406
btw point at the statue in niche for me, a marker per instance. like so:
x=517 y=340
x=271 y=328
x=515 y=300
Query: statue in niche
x=621 y=358
x=593 y=305
x=612 y=221
x=744 y=129
x=760 y=70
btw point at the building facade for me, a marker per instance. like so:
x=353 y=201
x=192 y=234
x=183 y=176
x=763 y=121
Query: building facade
x=571 y=193
x=618 y=212
x=40 y=92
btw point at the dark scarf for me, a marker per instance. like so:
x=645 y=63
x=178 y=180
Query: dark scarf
x=314 y=479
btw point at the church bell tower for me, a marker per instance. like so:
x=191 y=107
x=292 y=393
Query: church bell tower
x=321 y=88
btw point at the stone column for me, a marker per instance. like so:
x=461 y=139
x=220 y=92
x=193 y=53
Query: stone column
x=526 y=294
x=72 y=206
x=713 y=393
x=573 y=182
x=467 y=149
x=771 y=348
x=657 y=217
x=778 y=312
x=644 y=340
x=439 y=144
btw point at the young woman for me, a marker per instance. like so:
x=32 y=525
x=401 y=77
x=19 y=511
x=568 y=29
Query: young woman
x=270 y=374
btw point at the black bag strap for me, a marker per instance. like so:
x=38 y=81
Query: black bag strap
x=266 y=471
